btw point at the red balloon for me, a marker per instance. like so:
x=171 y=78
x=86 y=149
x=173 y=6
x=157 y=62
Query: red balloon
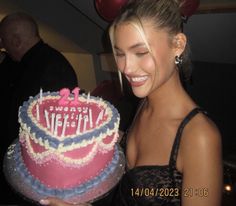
x=109 y=9
x=189 y=7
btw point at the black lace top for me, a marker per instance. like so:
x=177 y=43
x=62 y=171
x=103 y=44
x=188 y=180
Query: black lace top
x=153 y=185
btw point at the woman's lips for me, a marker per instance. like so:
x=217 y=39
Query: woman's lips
x=137 y=81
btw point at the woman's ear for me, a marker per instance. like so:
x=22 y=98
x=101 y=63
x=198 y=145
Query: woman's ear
x=179 y=43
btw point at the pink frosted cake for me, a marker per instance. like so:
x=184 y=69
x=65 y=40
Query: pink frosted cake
x=67 y=142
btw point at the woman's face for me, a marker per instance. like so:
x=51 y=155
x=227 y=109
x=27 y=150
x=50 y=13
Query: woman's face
x=146 y=71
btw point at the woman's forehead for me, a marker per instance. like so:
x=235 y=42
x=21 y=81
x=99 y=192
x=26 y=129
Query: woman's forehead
x=145 y=32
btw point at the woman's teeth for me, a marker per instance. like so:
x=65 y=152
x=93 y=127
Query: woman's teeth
x=138 y=79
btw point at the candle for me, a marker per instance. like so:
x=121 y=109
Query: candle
x=90 y=118
x=79 y=124
x=41 y=96
x=52 y=122
x=64 y=125
x=56 y=124
x=100 y=116
x=47 y=119
x=88 y=98
x=106 y=111
x=75 y=101
x=64 y=93
x=37 y=112
x=85 y=122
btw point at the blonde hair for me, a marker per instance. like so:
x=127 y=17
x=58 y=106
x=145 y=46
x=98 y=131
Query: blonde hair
x=164 y=14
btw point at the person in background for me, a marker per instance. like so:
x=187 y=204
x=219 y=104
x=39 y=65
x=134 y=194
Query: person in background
x=39 y=66
x=173 y=149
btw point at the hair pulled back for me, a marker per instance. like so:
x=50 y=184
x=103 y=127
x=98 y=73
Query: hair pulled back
x=164 y=14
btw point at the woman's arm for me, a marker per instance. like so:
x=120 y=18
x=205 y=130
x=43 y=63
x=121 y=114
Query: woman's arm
x=202 y=166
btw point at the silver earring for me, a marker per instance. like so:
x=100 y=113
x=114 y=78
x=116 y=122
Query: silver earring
x=178 y=60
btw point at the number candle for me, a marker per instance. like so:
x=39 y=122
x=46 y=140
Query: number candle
x=64 y=93
x=75 y=91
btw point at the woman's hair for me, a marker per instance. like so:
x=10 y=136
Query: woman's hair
x=164 y=14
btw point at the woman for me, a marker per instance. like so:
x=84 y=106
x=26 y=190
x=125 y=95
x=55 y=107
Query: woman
x=173 y=149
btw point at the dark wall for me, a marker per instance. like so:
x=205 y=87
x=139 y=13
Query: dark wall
x=213 y=88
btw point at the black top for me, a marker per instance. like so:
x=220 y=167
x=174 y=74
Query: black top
x=154 y=185
x=41 y=67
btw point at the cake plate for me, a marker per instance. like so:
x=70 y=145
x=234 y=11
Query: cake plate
x=21 y=185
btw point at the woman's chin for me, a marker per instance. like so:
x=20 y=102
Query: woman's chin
x=139 y=93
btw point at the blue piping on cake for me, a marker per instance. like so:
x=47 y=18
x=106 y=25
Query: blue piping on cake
x=53 y=142
x=41 y=189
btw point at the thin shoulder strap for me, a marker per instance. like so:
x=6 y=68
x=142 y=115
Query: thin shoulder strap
x=175 y=148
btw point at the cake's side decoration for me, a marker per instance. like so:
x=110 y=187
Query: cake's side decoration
x=67 y=142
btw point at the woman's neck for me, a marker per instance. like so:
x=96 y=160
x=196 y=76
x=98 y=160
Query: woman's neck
x=169 y=98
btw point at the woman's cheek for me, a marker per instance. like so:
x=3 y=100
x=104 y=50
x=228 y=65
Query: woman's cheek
x=120 y=64
x=147 y=64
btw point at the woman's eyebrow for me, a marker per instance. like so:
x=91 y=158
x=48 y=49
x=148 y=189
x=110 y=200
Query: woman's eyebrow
x=131 y=47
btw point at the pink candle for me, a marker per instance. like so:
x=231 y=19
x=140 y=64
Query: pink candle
x=64 y=93
x=75 y=101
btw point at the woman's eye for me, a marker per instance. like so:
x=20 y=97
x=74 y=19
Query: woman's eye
x=142 y=53
x=119 y=54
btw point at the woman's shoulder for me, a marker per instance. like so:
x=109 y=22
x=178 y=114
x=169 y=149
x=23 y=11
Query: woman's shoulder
x=200 y=134
x=201 y=126
x=201 y=159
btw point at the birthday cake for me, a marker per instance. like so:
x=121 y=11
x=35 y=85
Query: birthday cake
x=67 y=144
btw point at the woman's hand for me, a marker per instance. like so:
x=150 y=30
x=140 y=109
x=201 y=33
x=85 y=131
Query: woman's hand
x=51 y=201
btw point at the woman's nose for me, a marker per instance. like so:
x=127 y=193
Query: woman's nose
x=128 y=66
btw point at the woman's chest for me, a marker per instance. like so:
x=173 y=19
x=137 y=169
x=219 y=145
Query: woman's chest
x=149 y=144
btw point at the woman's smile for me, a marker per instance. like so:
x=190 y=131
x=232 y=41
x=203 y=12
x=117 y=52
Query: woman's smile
x=136 y=81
